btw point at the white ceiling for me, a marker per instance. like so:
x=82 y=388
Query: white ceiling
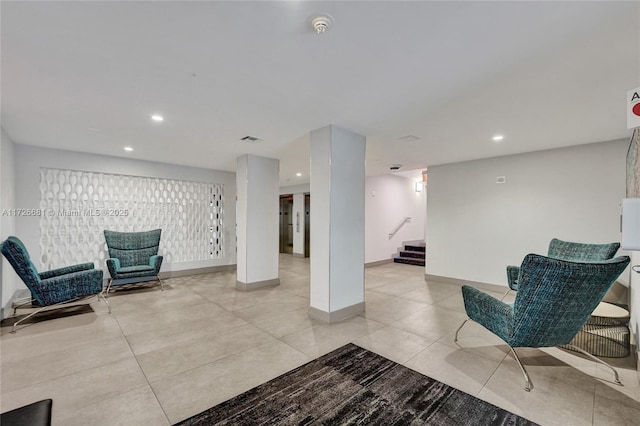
x=86 y=76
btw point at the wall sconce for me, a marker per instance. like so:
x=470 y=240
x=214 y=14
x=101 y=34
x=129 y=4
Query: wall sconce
x=418 y=186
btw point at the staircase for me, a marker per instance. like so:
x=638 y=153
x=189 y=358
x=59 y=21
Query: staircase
x=412 y=254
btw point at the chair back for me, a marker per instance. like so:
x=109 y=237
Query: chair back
x=556 y=297
x=16 y=253
x=132 y=248
x=580 y=252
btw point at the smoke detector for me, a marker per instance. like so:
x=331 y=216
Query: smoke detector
x=321 y=23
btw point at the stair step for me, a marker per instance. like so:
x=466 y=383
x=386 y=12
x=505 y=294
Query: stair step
x=409 y=261
x=415 y=248
x=413 y=254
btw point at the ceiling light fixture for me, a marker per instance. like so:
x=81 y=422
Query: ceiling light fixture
x=157 y=118
x=321 y=23
x=498 y=138
x=298 y=174
x=128 y=148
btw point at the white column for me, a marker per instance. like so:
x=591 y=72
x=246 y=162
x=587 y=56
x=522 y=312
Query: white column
x=298 y=224
x=257 y=210
x=337 y=229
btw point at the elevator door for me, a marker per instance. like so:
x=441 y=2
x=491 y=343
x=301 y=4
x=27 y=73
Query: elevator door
x=286 y=224
x=307 y=225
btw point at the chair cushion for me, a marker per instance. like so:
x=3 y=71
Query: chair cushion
x=135 y=268
x=134 y=272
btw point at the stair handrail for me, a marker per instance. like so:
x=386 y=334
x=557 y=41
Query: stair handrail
x=407 y=219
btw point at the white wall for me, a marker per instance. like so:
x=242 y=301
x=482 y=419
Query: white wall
x=30 y=159
x=388 y=200
x=304 y=188
x=395 y=198
x=9 y=282
x=476 y=227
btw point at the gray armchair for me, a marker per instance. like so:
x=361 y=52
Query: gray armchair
x=134 y=257
x=51 y=289
x=565 y=250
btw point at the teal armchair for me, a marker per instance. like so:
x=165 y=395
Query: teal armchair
x=51 y=289
x=565 y=250
x=133 y=258
x=555 y=299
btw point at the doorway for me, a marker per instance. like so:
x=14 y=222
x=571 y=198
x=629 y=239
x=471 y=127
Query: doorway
x=307 y=225
x=286 y=224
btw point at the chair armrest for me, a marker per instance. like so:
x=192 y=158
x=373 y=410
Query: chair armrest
x=113 y=264
x=512 y=277
x=66 y=270
x=156 y=262
x=67 y=287
x=489 y=312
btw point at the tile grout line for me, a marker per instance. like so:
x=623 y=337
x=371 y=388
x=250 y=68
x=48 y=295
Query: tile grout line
x=143 y=373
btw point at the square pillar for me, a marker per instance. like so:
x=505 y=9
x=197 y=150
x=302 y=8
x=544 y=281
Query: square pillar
x=257 y=218
x=337 y=229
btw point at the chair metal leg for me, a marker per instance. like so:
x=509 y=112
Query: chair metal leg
x=505 y=295
x=15 y=324
x=596 y=359
x=455 y=339
x=22 y=302
x=106 y=293
x=54 y=306
x=104 y=299
x=528 y=385
x=37 y=311
x=161 y=283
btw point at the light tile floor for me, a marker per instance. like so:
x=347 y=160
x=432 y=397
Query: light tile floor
x=161 y=357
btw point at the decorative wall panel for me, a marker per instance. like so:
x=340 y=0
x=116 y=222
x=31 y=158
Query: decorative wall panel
x=76 y=206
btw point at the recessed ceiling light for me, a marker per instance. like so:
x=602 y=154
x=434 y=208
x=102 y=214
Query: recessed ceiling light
x=298 y=174
x=128 y=148
x=498 y=138
x=157 y=118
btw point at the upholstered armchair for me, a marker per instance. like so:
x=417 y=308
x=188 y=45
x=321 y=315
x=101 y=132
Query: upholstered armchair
x=554 y=301
x=565 y=250
x=134 y=257
x=51 y=289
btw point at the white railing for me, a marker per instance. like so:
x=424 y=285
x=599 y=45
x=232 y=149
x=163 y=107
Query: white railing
x=395 y=231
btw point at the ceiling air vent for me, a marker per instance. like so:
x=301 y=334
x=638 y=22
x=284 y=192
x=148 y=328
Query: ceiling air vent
x=408 y=138
x=250 y=139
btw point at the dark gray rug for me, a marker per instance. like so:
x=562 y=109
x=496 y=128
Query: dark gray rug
x=354 y=386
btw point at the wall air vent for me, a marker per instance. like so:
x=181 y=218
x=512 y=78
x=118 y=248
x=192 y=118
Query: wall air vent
x=250 y=139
